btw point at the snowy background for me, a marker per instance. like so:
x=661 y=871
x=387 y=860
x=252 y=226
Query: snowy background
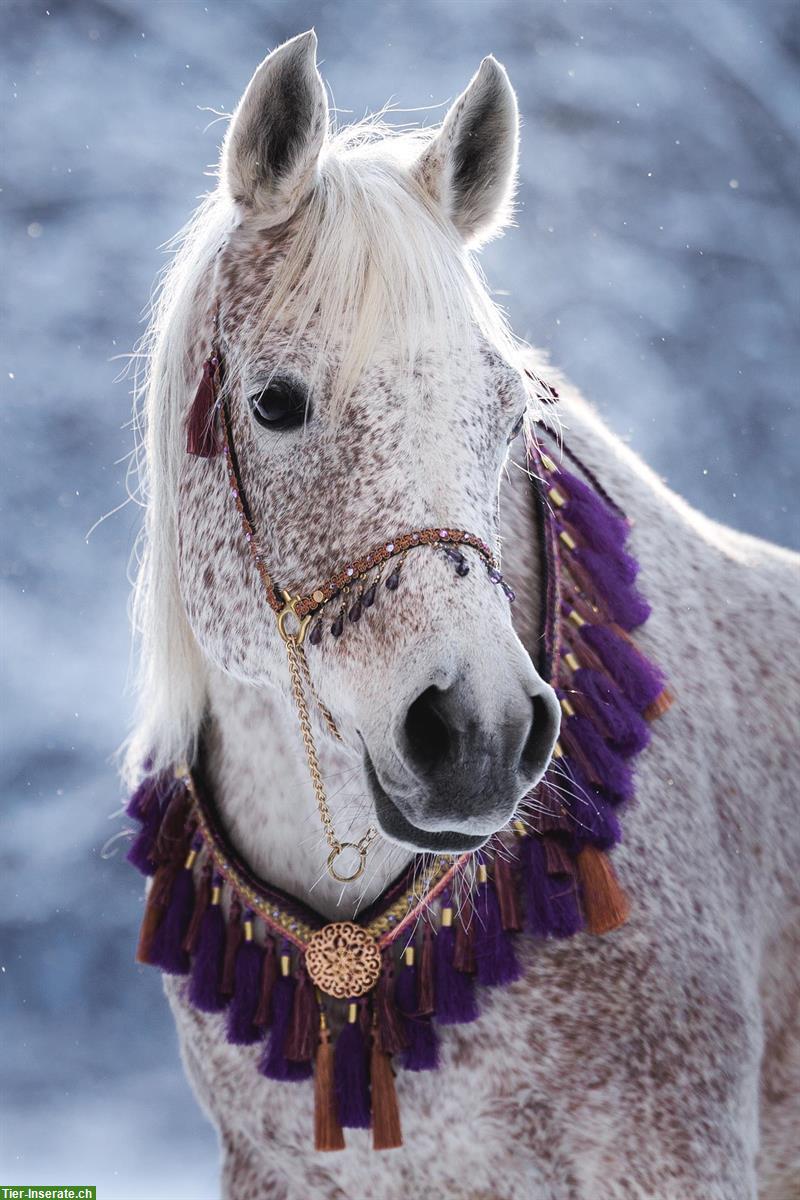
x=656 y=258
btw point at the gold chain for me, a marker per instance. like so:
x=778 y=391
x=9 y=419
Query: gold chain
x=298 y=668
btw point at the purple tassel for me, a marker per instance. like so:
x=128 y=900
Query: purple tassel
x=141 y=848
x=594 y=819
x=167 y=949
x=610 y=772
x=635 y=675
x=625 y=605
x=350 y=1075
x=240 y=1026
x=391 y=1027
x=552 y=907
x=455 y=994
x=625 y=730
x=205 y=983
x=148 y=795
x=590 y=516
x=495 y=959
x=422 y=1053
x=274 y=1063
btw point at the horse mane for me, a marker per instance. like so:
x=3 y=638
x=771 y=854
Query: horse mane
x=369 y=256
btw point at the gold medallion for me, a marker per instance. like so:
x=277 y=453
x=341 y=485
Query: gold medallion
x=343 y=960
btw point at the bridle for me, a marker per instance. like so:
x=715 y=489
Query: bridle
x=209 y=433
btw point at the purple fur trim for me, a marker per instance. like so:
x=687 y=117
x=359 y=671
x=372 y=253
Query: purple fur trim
x=455 y=994
x=167 y=950
x=625 y=605
x=205 y=982
x=495 y=960
x=593 y=817
x=240 y=1027
x=635 y=675
x=351 y=1078
x=423 y=1045
x=590 y=516
x=625 y=730
x=612 y=773
x=552 y=908
x=274 y=1063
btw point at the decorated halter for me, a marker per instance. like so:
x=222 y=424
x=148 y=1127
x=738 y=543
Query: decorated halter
x=283 y=976
x=351 y=591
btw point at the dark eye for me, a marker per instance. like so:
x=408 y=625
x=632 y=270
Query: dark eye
x=283 y=404
x=517 y=428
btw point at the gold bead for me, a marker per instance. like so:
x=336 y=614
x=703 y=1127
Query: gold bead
x=555 y=495
x=248 y=931
x=216 y=894
x=557 y=751
x=447 y=917
x=352 y=1013
x=576 y=618
x=568 y=541
x=520 y=828
x=567 y=708
x=571 y=661
x=286 y=965
x=482 y=873
x=548 y=463
x=190 y=860
x=318 y=596
x=408 y=956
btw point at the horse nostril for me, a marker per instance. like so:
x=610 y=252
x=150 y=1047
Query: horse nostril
x=426 y=730
x=537 y=744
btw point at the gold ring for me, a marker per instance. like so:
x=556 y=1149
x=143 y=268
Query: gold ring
x=334 y=854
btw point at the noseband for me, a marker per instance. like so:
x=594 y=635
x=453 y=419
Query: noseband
x=352 y=589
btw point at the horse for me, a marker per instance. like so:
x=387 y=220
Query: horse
x=375 y=387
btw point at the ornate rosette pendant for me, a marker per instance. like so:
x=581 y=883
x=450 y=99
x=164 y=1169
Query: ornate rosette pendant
x=277 y=973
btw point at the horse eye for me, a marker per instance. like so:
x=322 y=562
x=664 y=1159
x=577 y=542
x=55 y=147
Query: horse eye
x=282 y=404
x=517 y=428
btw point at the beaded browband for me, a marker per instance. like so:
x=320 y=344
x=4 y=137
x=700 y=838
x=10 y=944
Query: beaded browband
x=353 y=587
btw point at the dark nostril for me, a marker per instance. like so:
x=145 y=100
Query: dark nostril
x=538 y=741
x=426 y=729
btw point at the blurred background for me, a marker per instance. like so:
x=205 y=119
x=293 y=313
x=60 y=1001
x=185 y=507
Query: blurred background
x=655 y=258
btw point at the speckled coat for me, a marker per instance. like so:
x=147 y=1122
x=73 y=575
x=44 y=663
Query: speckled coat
x=661 y=1062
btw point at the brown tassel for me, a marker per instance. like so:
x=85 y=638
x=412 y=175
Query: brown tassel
x=464 y=948
x=386 y=1131
x=155 y=907
x=389 y=1022
x=605 y=904
x=233 y=939
x=507 y=895
x=426 y=985
x=660 y=705
x=201 y=902
x=327 y=1130
x=171 y=830
x=269 y=973
x=301 y=1039
x=202 y=434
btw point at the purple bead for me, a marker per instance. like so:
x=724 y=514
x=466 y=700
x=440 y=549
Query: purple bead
x=355 y=612
x=368 y=599
x=393 y=582
x=444 y=535
x=337 y=628
x=463 y=568
x=315 y=637
x=495 y=575
x=456 y=555
x=510 y=593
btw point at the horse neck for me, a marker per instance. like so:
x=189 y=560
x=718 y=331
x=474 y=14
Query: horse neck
x=257 y=770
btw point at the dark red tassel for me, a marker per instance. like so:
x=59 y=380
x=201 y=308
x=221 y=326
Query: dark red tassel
x=241 y=1026
x=233 y=939
x=202 y=433
x=301 y=1040
x=507 y=894
x=201 y=902
x=426 y=992
x=464 y=949
x=390 y=1026
x=351 y=1075
x=172 y=828
x=495 y=958
x=269 y=973
x=327 y=1128
x=386 y=1131
x=205 y=983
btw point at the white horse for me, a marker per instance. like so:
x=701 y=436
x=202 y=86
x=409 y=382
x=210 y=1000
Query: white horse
x=661 y=1061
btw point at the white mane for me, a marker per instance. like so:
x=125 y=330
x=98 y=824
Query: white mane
x=370 y=256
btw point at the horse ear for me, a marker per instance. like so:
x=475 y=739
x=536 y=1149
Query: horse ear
x=273 y=143
x=470 y=167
